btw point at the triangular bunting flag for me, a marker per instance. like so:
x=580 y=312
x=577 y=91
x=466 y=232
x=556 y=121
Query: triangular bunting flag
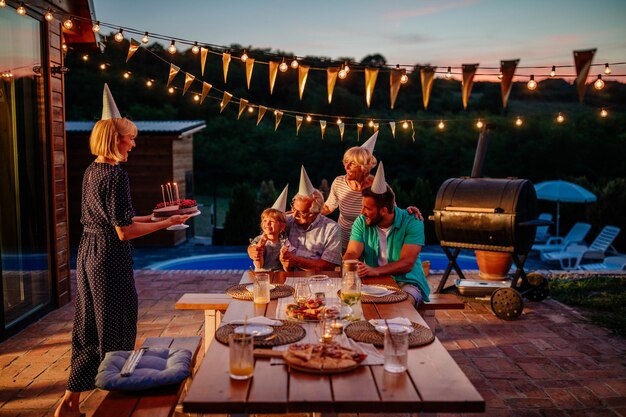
x=331 y=79
x=507 y=69
x=225 y=64
x=188 y=80
x=203 y=54
x=427 y=75
x=134 y=45
x=370 y=80
x=279 y=116
x=173 y=71
x=243 y=103
x=225 y=100
x=342 y=127
x=262 y=110
x=249 y=67
x=359 y=129
x=582 y=61
x=323 y=127
x=394 y=85
x=206 y=87
x=469 y=70
x=393 y=129
x=298 y=124
x=303 y=72
x=273 y=71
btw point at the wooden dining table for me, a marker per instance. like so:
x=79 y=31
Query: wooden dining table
x=433 y=381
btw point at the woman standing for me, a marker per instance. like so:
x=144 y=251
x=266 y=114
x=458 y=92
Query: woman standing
x=105 y=317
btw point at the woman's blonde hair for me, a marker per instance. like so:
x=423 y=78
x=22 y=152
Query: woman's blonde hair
x=359 y=156
x=105 y=136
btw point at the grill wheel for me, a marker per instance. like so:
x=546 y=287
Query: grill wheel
x=507 y=303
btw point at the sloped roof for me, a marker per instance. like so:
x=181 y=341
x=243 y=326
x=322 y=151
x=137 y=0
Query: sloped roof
x=178 y=127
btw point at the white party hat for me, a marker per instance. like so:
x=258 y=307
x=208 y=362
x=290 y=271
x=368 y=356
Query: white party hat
x=109 y=109
x=379 y=186
x=306 y=188
x=281 y=201
x=370 y=143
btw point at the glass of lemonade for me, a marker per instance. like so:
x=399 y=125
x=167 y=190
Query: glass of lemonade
x=241 y=358
x=261 y=289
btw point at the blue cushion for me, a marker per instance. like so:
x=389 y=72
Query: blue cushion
x=157 y=367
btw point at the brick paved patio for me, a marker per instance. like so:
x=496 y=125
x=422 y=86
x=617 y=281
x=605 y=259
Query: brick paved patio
x=550 y=362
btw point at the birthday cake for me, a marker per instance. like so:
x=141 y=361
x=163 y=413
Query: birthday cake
x=168 y=209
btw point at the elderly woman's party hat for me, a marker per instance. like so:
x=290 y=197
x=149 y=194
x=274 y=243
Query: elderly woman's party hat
x=306 y=188
x=109 y=109
x=281 y=201
x=379 y=186
x=370 y=144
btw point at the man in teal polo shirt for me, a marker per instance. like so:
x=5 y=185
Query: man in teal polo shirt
x=389 y=239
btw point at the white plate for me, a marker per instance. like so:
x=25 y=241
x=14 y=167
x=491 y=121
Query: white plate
x=251 y=287
x=254 y=330
x=178 y=227
x=158 y=219
x=394 y=328
x=373 y=290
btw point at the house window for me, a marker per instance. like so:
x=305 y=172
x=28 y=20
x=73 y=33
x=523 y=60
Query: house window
x=24 y=233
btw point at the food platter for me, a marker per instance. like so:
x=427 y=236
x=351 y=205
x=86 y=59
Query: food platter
x=322 y=358
x=307 y=311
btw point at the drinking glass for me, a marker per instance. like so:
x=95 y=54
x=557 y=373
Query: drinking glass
x=321 y=284
x=241 y=358
x=302 y=292
x=261 y=288
x=396 y=349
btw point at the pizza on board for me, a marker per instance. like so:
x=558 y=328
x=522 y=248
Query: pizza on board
x=323 y=356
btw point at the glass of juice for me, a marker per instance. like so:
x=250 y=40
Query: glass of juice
x=261 y=288
x=240 y=356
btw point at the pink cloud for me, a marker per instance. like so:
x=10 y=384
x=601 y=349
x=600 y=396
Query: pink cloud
x=423 y=11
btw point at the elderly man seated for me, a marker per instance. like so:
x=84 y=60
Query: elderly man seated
x=389 y=239
x=315 y=239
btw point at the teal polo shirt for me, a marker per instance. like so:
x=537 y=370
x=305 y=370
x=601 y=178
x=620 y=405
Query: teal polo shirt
x=405 y=229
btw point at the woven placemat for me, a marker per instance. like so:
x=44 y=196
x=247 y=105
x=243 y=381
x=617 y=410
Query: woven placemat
x=397 y=296
x=289 y=332
x=241 y=292
x=363 y=331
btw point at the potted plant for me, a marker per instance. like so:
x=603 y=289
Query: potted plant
x=493 y=265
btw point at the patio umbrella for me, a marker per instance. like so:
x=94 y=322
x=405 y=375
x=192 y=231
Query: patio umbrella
x=563 y=192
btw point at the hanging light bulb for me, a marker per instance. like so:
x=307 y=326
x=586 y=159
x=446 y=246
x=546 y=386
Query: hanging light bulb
x=603 y=112
x=68 y=23
x=500 y=75
x=119 y=36
x=480 y=124
x=441 y=125
x=308 y=118
x=172 y=48
x=195 y=48
x=250 y=109
x=553 y=71
x=49 y=16
x=449 y=73
x=244 y=56
x=283 y=66
x=21 y=10
x=103 y=66
x=405 y=124
x=294 y=63
x=95 y=28
x=339 y=120
x=404 y=78
x=170 y=90
x=85 y=57
x=64 y=47
x=342 y=74
x=145 y=38
x=149 y=83
x=599 y=84
x=560 y=118
x=196 y=97
x=607 y=69
x=371 y=123
x=532 y=84
x=127 y=75
x=518 y=121
x=346 y=68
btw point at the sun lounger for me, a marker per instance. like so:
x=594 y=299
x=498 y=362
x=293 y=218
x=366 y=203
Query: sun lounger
x=577 y=235
x=571 y=256
x=542 y=231
x=610 y=263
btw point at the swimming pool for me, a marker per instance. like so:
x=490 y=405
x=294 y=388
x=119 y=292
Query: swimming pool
x=241 y=261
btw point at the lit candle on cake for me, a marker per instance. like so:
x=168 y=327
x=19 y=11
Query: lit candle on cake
x=177 y=196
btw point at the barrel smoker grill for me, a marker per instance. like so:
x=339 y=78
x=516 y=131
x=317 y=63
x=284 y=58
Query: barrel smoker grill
x=498 y=215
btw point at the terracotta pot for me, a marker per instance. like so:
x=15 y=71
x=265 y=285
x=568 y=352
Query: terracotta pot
x=426 y=267
x=493 y=265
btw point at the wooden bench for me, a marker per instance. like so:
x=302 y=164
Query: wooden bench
x=156 y=402
x=439 y=302
x=214 y=305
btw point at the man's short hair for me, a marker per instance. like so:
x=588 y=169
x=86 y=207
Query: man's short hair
x=318 y=201
x=386 y=200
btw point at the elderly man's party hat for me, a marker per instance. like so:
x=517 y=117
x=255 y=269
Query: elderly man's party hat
x=109 y=109
x=306 y=188
x=281 y=201
x=379 y=186
x=370 y=144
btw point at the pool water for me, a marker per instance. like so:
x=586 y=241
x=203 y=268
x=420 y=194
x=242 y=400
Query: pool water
x=241 y=261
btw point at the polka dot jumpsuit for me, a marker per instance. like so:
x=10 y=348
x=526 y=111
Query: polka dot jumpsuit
x=106 y=299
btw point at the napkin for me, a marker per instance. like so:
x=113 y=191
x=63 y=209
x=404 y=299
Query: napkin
x=260 y=320
x=374 y=356
x=398 y=320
